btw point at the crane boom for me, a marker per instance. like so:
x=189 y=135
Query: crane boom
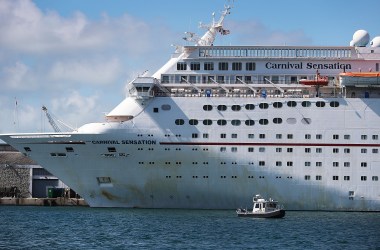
x=51 y=121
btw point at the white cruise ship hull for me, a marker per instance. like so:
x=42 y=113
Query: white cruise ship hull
x=150 y=162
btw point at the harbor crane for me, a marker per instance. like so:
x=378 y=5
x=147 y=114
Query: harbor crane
x=53 y=123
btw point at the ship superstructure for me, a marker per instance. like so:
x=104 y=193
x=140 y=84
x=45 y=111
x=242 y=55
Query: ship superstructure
x=218 y=123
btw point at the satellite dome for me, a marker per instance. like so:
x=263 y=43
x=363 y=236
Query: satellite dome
x=360 y=38
x=375 y=42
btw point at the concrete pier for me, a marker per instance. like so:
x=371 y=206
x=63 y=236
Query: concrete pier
x=60 y=201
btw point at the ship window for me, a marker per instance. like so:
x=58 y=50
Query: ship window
x=261 y=150
x=278 y=163
x=335 y=178
x=250 y=150
x=221 y=122
x=346 y=164
x=318 y=136
x=251 y=136
x=318 y=150
x=278 y=136
x=193 y=122
x=235 y=122
x=166 y=107
x=307 y=150
x=223 y=66
x=155 y=110
x=290 y=136
x=194 y=135
x=234 y=149
x=263 y=105
x=307 y=136
x=263 y=122
x=27 y=149
x=363 y=150
x=334 y=104
x=320 y=104
x=375 y=137
x=335 y=137
x=235 y=107
x=289 y=150
x=223 y=149
x=318 y=164
x=363 y=178
x=233 y=135
x=249 y=122
x=289 y=164
x=278 y=150
x=306 y=121
x=195 y=66
x=111 y=149
x=335 y=164
x=292 y=104
x=237 y=66
x=222 y=136
x=207 y=107
x=306 y=104
x=335 y=150
x=208 y=66
x=207 y=122
x=364 y=137
x=261 y=163
x=363 y=164
x=102 y=180
x=181 y=66
x=69 y=149
x=179 y=122
x=346 y=178
x=307 y=163
x=375 y=151
x=346 y=137
x=291 y=121
x=165 y=79
x=307 y=177
x=249 y=106
x=222 y=107
x=375 y=178
x=250 y=66
x=318 y=177
x=262 y=136
x=277 y=104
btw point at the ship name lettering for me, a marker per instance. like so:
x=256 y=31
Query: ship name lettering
x=287 y=65
x=106 y=142
x=149 y=142
x=328 y=66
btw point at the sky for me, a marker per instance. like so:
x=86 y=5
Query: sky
x=76 y=57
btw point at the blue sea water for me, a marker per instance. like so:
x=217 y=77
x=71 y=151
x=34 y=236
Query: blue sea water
x=104 y=228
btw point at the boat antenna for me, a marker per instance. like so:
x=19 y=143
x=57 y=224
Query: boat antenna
x=212 y=30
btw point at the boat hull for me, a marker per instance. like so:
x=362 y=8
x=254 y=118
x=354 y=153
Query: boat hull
x=274 y=214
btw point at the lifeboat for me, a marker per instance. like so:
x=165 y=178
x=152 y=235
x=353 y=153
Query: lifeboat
x=359 y=78
x=317 y=81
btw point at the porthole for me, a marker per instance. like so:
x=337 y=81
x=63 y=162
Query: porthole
x=235 y=107
x=291 y=121
x=306 y=104
x=277 y=120
x=235 y=122
x=334 y=104
x=277 y=104
x=221 y=122
x=207 y=107
x=292 y=104
x=222 y=107
x=193 y=122
x=263 y=121
x=166 y=107
x=263 y=105
x=306 y=121
x=249 y=122
x=249 y=106
x=207 y=122
x=320 y=104
x=179 y=122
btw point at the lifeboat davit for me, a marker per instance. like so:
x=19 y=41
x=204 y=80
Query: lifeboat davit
x=318 y=81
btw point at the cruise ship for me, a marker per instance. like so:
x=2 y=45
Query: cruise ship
x=217 y=124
